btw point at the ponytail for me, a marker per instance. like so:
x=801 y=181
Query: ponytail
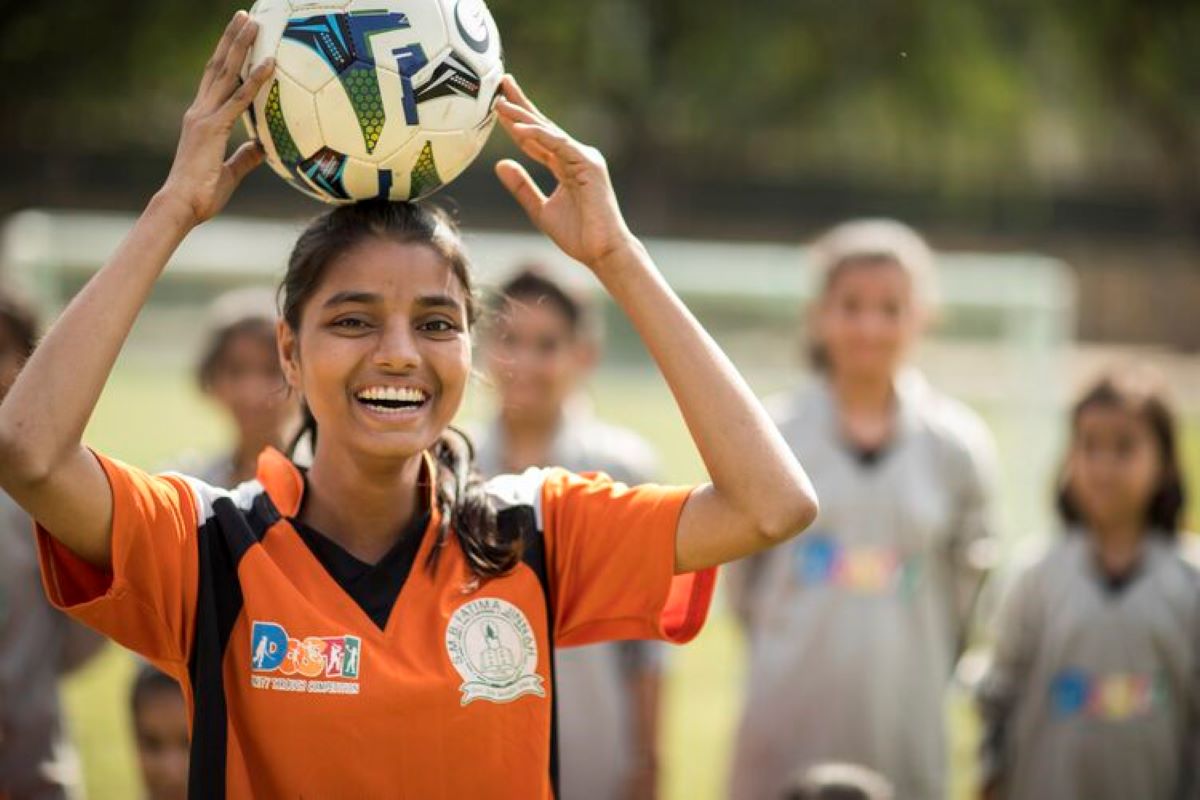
x=466 y=510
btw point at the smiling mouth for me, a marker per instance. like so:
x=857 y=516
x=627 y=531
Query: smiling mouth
x=392 y=399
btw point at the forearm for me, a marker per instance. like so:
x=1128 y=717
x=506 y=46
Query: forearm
x=748 y=462
x=44 y=415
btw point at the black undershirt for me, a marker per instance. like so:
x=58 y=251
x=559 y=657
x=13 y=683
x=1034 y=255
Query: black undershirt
x=374 y=587
x=1115 y=583
x=867 y=456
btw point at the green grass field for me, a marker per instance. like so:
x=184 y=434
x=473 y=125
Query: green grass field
x=149 y=414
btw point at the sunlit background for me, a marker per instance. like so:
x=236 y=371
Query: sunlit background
x=1050 y=151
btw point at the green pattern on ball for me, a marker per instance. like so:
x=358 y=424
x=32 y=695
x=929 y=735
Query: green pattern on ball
x=362 y=87
x=285 y=146
x=425 y=176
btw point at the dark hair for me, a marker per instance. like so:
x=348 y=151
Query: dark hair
x=1140 y=392
x=463 y=504
x=532 y=283
x=216 y=346
x=149 y=680
x=21 y=321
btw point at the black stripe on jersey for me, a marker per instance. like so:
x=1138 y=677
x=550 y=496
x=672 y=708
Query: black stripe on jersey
x=222 y=540
x=522 y=520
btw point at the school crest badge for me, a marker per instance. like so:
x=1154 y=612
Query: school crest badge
x=492 y=646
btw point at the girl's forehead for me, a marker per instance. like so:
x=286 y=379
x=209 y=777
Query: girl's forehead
x=1112 y=416
x=395 y=271
x=878 y=274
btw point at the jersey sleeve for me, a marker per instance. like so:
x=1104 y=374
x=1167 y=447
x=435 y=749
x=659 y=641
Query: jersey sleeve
x=611 y=549
x=1000 y=689
x=973 y=541
x=146 y=600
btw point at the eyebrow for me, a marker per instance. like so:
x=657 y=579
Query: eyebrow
x=368 y=298
x=341 y=298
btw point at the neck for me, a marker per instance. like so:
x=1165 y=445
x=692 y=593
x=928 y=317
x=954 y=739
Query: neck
x=363 y=507
x=863 y=394
x=528 y=438
x=1118 y=544
x=865 y=406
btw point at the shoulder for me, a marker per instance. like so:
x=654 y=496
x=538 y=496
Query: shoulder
x=956 y=429
x=208 y=497
x=950 y=420
x=1176 y=571
x=793 y=408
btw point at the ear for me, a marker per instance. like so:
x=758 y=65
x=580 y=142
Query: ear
x=289 y=353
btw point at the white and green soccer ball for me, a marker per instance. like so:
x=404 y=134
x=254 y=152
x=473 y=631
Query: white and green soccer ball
x=374 y=98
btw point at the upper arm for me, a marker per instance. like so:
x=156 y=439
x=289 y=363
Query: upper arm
x=75 y=504
x=712 y=532
x=143 y=596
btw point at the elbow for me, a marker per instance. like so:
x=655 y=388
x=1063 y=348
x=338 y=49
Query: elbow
x=791 y=516
x=20 y=463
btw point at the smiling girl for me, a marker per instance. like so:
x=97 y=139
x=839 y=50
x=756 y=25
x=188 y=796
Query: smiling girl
x=380 y=624
x=1094 y=688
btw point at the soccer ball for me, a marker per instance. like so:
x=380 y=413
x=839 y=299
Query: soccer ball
x=374 y=98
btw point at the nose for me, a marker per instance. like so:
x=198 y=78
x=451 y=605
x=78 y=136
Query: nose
x=397 y=350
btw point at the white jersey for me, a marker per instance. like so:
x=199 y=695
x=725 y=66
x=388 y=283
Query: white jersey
x=855 y=626
x=1094 y=688
x=596 y=730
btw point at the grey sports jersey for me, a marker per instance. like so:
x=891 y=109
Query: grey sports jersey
x=1094 y=690
x=595 y=724
x=854 y=627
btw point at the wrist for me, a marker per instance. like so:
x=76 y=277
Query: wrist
x=168 y=205
x=625 y=254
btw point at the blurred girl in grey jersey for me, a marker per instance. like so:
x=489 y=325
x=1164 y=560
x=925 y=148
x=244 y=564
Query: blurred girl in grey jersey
x=542 y=343
x=854 y=628
x=1094 y=690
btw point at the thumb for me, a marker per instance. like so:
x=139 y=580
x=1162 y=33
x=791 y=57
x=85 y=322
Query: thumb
x=244 y=160
x=522 y=187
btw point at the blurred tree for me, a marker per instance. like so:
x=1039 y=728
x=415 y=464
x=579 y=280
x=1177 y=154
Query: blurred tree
x=1013 y=97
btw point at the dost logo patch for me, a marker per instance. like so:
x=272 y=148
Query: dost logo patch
x=314 y=664
x=492 y=645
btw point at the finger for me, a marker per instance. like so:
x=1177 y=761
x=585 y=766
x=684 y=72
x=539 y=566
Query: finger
x=513 y=91
x=557 y=143
x=507 y=109
x=244 y=96
x=223 y=44
x=521 y=186
x=244 y=161
x=227 y=79
x=534 y=149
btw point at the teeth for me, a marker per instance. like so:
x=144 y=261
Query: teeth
x=399 y=394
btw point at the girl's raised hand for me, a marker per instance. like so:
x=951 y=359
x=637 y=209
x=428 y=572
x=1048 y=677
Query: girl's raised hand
x=581 y=215
x=202 y=178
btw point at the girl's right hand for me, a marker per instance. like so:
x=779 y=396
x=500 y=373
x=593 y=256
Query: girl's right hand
x=202 y=179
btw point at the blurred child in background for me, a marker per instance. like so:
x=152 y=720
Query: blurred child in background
x=239 y=370
x=37 y=644
x=854 y=629
x=1094 y=691
x=160 y=726
x=542 y=343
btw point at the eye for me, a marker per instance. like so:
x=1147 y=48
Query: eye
x=439 y=325
x=350 y=324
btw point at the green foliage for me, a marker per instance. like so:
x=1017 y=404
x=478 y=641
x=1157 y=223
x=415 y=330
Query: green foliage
x=936 y=91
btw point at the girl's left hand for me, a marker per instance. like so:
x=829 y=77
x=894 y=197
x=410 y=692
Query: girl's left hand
x=581 y=215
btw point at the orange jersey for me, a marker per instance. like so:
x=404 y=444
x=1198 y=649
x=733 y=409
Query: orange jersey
x=294 y=691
